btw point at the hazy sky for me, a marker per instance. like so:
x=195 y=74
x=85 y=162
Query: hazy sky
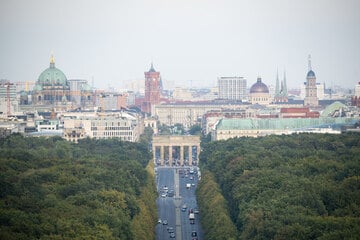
x=189 y=41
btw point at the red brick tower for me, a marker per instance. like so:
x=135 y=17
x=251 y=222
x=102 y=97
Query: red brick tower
x=152 y=89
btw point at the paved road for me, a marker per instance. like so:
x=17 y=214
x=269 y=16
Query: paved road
x=170 y=208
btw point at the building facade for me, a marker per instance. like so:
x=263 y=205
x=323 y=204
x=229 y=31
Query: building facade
x=8 y=101
x=81 y=93
x=232 y=88
x=355 y=100
x=185 y=114
x=127 y=127
x=232 y=128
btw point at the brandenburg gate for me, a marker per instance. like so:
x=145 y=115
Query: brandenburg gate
x=177 y=145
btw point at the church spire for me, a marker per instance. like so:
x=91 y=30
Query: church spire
x=277 y=90
x=285 y=91
x=309 y=62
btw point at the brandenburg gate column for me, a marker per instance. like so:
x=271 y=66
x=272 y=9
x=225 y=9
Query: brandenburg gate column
x=197 y=153
x=170 y=155
x=181 y=155
x=190 y=155
x=162 y=155
x=154 y=153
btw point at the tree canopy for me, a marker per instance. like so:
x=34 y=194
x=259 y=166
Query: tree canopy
x=301 y=186
x=54 y=189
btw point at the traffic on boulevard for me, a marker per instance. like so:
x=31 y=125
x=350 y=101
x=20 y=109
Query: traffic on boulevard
x=177 y=207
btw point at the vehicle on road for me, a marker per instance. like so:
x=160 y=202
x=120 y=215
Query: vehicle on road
x=183 y=208
x=170 y=193
x=192 y=218
x=188 y=185
x=172 y=235
x=165 y=222
x=194 y=235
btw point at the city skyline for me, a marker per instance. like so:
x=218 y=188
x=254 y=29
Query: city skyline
x=190 y=43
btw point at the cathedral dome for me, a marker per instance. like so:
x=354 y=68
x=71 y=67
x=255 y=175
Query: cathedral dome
x=259 y=87
x=310 y=74
x=52 y=76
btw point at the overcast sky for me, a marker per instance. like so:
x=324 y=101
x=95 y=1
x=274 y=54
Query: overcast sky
x=191 y=42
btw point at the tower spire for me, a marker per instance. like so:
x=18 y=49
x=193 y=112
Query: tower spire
x=309 y=62
x=52 y=60
x=285 y=87
x=152 y=69
x=277 y=90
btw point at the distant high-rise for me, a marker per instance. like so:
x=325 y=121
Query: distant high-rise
x=152 y=89
x=311 y=98
x=355 y=100
x=232 y=88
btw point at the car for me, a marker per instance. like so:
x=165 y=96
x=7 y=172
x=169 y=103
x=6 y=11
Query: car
x=159 y=221
x=163 y=195
x=170 y=193
x=194 y=234
x=170 y=229
x=196 y=211
x=172 y=235
x=183 y=208
x=165 y=222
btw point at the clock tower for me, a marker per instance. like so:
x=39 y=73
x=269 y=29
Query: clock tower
x=152 y=89
x=311 y=98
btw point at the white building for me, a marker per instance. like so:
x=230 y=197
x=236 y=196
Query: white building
x=8 y=102
x=357 y=90
x=232 y=88
x=127 y=127
x=320 y=91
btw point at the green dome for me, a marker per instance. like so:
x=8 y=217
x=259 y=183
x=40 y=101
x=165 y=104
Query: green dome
x=86 y=87
x=52 y=76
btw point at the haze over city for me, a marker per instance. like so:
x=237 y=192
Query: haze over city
x=190 y=42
